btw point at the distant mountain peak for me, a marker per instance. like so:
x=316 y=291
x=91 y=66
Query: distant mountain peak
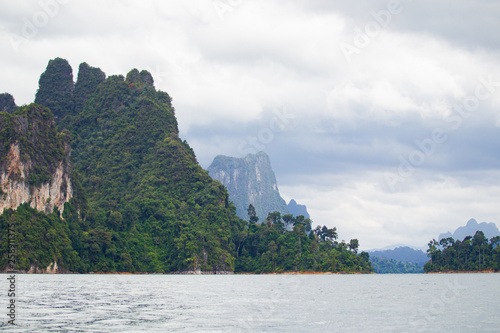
x=142 y=77
x=401 y=253
x=295 y=209
x=489 y=229
x=249 y=180
x=472 y=223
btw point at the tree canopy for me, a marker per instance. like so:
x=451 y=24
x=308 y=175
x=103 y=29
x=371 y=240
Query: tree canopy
x=475 y=253
x=287 y=243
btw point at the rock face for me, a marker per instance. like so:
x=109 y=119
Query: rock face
x=44 y=197
x=34 y=166
x=53 y=268
x=295 y=209
x=249 y=180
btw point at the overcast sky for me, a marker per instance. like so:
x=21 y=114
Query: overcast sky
x=383 y=117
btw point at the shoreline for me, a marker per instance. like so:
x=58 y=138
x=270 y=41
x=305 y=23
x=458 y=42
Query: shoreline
x=291 y=273
x=242 y=273
x=464 y=272
x=190 y=273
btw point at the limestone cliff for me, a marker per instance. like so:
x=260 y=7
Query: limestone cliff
x=34 y=161
x=295 y=209
x=249 y=180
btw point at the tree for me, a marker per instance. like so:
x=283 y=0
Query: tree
x=115 y=220
x=252 y=215
x=307 y=225
x=432 y=250
x=289 y=220
x=365 y=255
x=275 y=219
x=330 y=234
x=272 y=248
x=479 y=242
x=240 y=238
x=353 y=245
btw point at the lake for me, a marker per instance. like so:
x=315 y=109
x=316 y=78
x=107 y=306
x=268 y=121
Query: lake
x=254 y=303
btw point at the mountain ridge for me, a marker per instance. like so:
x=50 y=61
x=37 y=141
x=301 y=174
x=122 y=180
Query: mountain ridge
x=147 y=205
x=403 y=254
x=490 y=230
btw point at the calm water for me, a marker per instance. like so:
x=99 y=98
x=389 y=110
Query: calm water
x=255 y=303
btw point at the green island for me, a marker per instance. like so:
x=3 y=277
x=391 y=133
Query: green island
x=472 y=254
x=137 y=200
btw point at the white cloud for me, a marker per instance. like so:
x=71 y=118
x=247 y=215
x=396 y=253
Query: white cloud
x=362 y=208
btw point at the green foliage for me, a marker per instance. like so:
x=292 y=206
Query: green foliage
x=86 y=84
x=391 y=266
x=471 y=254
x=252 y=215
x=139 y=79
x=55 y=88
x=144 y=184
x=7 y=136
x=7 y=103
x=272 y=247
x=39 y=239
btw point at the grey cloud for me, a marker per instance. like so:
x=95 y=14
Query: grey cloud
x=369 y=146
x=464 y=23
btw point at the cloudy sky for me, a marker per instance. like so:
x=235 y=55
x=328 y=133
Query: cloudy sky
x=383 y=117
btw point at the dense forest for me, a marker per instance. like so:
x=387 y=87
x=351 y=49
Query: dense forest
x=471 y=254
x=392 y=266
x=279 y=244
x=141 y=202
x=287 y=243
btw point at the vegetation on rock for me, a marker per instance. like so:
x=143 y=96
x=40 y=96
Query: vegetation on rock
x=55 y=89
x=141 y=201
x=40 y=145
x=7 y=103
x=86 y=84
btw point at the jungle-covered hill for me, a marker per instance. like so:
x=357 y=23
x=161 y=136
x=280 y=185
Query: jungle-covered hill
x=141 y=202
